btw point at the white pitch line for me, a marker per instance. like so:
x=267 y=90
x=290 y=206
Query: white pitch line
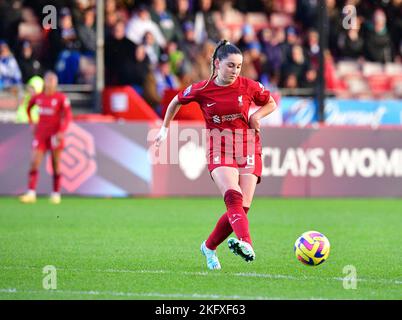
x=215 y=274
x=139 y=294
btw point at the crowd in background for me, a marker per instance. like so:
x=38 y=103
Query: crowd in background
x=166 y=44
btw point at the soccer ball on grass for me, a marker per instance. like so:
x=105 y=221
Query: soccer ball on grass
x=312 y=248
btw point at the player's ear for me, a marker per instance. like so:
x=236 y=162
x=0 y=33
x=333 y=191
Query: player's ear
x=216 y=63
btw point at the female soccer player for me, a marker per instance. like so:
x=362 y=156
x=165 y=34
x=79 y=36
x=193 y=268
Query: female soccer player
x=225 y=99
x=54 y=118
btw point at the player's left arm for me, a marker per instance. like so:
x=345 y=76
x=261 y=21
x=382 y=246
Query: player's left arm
x=262 y=112
x=67 y=117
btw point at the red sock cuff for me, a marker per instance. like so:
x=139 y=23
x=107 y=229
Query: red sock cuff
x=233 y=198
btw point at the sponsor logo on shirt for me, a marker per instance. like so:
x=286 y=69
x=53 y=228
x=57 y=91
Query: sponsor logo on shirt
x=46 y=111
x=226 y=117
x=216 y=119
x=231 y=117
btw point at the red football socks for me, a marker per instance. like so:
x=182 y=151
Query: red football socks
x=32 y=179
x=56 y=183
x=222 y=230
x=237 y=216
x=234 y=219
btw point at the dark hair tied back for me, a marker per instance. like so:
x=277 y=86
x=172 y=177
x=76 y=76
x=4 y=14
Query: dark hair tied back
x=222 y=50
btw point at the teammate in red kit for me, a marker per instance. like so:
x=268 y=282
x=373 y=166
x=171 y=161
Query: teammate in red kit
x=234 y=157
x=54 y=118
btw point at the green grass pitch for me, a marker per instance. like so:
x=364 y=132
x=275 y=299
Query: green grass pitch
x=141 y=248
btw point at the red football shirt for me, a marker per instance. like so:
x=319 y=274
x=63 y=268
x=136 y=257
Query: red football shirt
x=227 y=107
x=54 y=112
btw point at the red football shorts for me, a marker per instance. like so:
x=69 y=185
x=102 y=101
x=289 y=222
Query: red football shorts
x=47 y=142
x=249 y=164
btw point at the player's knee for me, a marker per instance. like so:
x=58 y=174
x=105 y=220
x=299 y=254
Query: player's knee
x=233 y=198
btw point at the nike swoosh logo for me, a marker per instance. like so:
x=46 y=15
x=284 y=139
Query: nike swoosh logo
x=210 y=104
x=235 y=220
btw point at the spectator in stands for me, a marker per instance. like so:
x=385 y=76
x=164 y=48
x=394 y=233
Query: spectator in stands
x=10 y=73
x=334 y=26
x=152 y=49
x=257 y=58
x=248 y=37
x=296 y=66
x=377 y=41
x=28 y=63
x=79 y=10
x=351 y=43
x=189 y=45
x=183 y=12
x=118 y=49
x=248 y=69
x=140 y=23
x=290 y=81
x=64 y=48
x=165 y=79
x=307 y=13
x=10 y=17
x=205 y=24
x=202 y=65
x=310 y=79
x=176 y=58
x=134 y=71
x=272 y=47
x=394 y=19
x=111 y=17
x=313 y=47
x=166 y=21
x=291 y=39
x=87 y=33
x=230 y=14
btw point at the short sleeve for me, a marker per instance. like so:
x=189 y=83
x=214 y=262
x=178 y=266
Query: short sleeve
x=190 y=93
x=259 y=94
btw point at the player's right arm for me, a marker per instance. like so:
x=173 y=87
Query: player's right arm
x=171 y=111
x=183 y=97
x=31 y=103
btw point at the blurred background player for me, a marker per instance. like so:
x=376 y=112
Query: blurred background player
x=54 y=118
x=225 y=100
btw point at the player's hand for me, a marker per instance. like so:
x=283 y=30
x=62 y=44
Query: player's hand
x=254 y=123
x=161 y=136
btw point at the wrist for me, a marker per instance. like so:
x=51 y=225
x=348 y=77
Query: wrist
x=164 y=129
